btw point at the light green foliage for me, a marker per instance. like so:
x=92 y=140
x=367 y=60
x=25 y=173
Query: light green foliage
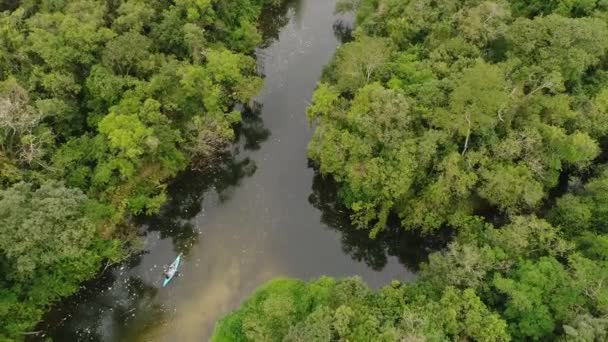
x=133 y=15
x=126 y=134
x=138 y=91
x=476 y=101
x=463 y=315
x=127 y=54
x=461 y=265
x=272 y=309
x=49 y=244
x=316 y=327
x=539 y=294
x=113 y=98
x=555 y=43
x=565 y=8
x=370 y=150
x=527 y=237
x=484 y=23
x=585 y=210
x=593 y=246
x=346 y=310
x=43 y=227
x=511 y=188
x=589 y=276
x=500 y=90
x=68 y=37
x=361 y=62
x=586 y=328
x=518 y=263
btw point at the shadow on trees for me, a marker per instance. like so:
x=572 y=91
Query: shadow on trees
x=409 y=247
x=9 y=5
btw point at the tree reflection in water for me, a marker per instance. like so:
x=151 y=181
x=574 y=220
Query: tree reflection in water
x=186 y=192
x=343 y=30
x=251 y=131
x=410 y=248
x=274 y=19
x=130 y=300
x=116 y=296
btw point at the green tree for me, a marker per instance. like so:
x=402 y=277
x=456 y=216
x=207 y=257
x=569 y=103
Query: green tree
x=49 y=243
x=346 y=309
x=44 y=226
x=555 y=43
x=128 y=54
x=112 y=98
x=463 y=315
x=377 y=170
x=361 y=62
x=540 y=294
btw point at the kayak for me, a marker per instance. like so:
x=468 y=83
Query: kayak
x=172 y=270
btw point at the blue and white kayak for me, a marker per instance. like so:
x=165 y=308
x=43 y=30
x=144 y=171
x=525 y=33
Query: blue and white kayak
x=172 y=270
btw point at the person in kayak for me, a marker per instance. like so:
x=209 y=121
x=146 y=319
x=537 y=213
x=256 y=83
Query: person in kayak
x=169 y=271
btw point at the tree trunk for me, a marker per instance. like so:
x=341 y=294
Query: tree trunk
x=467 y=116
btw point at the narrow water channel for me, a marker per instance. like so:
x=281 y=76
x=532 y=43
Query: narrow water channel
x=262 y=213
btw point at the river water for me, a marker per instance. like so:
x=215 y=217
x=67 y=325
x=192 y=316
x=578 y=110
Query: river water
x=262 y=212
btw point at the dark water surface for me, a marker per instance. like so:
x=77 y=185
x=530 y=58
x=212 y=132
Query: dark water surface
x=262 y=213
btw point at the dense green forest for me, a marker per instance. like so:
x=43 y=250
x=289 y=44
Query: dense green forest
x=101 y=102
x=484 y=118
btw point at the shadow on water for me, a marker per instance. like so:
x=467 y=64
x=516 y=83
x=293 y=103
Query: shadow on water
x=410 y=248
x=274 y=18
x=102 y=301
x=115 y=296
x=129 y=292
x=149 y=312
x=186 y=192
x=343 y=30
x=251 y=130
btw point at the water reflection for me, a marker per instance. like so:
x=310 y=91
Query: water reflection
x=187 y=191
x=186 y=199
x=122 y=303
x=252 y=129
x=142 y=313
x=266 y=229
x=410 y=248
x=343 y=30
x=101 y=303
x=275 y=18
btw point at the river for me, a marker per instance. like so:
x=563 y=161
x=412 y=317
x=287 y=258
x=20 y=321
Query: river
x=262 y=212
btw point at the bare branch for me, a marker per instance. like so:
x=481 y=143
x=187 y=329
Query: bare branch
x=467 y=117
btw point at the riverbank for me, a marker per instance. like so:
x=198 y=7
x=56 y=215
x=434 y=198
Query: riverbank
x=102 y=104
x=263 y=212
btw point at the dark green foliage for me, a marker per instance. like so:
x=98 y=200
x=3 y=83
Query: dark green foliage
x=473 y=115
x=486 y=109
x=49 y=245
x=587 y=209
x=112 y=98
